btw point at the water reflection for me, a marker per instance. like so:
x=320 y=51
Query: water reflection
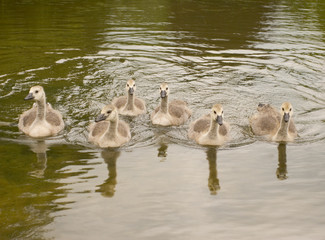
x=213 y=181
x=162 y=151
x=281 y=171
x=107 y=189
x=209 y=50
x=40 y=148
x=28 y=197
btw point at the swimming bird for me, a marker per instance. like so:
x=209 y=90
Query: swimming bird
x=278 y=126
x=175 y=112
x=130 y=105
x=210 y=129
x=41 y=120
x=108 y=130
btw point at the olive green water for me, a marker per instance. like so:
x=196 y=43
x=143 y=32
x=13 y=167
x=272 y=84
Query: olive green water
x=161 y=185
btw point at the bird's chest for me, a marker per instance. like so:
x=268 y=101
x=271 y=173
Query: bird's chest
x=40 y=128
x=161 y=118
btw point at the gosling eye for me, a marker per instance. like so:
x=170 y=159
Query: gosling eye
x=36 y=91
x=127 y=85
x=282 y=109
x=222 y=112
x=166 y=88
x=160 y=88
x=290 y=109
x=133 y=85
x=109 y=111
x=214 y=112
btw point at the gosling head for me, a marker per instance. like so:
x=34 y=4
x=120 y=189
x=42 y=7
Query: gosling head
x=108 y=113
x=130 y=86
x=286 y=111
x=164 y=90
x=217 y=113
x=36 y=93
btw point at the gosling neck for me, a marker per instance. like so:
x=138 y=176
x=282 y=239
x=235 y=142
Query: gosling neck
x=214 y=129
x=130 y=101
x=111 y=131
x=41 y=108
x=283 y=129
x=164 y=104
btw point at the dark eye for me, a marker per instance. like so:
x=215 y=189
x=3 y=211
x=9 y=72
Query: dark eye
x=166 y=88
x=222 y=112
x=290 y=109
x=282 y=109
x=127 y=85
x=109 y=111
x=36 y=91
x=133 y=85
x=160 y=88
x=214 y=112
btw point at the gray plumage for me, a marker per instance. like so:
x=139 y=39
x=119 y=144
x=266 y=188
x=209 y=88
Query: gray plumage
x=210 y=129
x=108 y=130
x=130 y=105
x=276 y=125
x=175 y=112
x=41 y=120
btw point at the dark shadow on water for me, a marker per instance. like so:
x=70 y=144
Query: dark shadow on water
x=213 y=181
x=281 y=171
x=107 y=189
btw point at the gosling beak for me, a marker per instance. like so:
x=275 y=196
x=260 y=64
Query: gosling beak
x=163 y=93
x=29 y=96
x=131 y=91
x=100 y=117
x=219 y=120
x=286 y=117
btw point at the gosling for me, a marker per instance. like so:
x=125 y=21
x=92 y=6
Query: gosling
x=173 y=113
x=130 y=105
x=277 y=126
x=108 y=130
x=41 y=120
x=210 y=129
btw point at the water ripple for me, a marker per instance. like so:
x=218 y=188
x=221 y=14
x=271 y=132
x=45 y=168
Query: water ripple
x=282 y=62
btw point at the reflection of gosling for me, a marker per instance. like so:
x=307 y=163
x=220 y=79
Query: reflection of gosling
x=41 y=120
x=107 y=188
x=279 y=126
x=170 y=113
x=40 y=148
x=281 y=171
x=210 y=129
x=130 y=105
x=108 y=130
x=213 y=181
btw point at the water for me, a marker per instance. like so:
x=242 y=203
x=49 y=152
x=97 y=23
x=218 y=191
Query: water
x=161 y=185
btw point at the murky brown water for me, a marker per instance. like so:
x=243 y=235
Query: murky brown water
x=161 y=185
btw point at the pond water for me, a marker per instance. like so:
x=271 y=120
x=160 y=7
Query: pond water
x=161 y=185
